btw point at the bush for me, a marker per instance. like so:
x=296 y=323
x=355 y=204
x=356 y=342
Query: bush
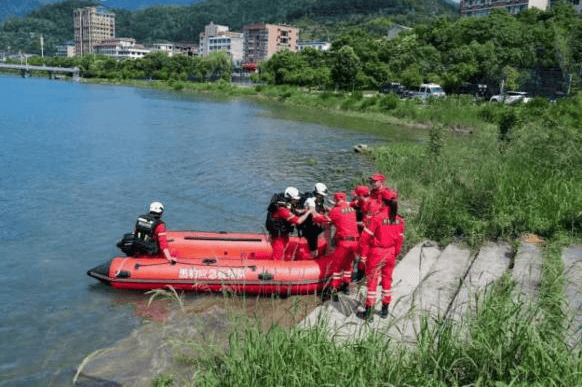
x=390 y=101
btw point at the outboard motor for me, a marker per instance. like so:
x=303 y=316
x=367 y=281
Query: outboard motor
x=127 y=244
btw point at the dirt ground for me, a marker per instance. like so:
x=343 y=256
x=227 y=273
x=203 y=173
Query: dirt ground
x=285 y=312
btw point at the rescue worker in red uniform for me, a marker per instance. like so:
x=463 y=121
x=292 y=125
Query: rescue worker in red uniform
x=150 y=234
x=382 y=239
x=281 y=219
x=343 y=217
x=361 y=195
x=374 y=205
x=310 y=230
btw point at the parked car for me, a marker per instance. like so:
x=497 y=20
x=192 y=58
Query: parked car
x=511 y=97
x=398 y=89
x=428 y=90
x=390 y=87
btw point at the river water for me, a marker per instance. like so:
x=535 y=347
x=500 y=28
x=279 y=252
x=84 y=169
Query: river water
x=79 y=162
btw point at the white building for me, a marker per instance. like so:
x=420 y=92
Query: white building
x=219 y=38
x=319 y=46
x=121 y=48
x=231 y=42
x=484 y=7
x=169 y=48
x=209 y=30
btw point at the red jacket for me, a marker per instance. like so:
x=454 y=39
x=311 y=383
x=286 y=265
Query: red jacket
x=383 y=233
x=161 y=235
x=343 y=217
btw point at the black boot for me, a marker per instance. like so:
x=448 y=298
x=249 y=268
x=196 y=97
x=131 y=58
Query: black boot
x=345 y=288
x=384 y=311
x=365 y=314
x=326 y=295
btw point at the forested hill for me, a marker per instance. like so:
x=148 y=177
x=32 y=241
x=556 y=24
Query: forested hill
x=318 y=19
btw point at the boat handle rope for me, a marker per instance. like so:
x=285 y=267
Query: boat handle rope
x=138 y=265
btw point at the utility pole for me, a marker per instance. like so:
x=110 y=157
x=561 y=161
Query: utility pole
x=41 y=47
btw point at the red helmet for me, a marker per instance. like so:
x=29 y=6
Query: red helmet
x=377 y=177
x=361 y=190
x=339 y=196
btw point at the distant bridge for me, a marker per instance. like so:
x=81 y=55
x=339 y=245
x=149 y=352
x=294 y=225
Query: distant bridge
x=26 y=69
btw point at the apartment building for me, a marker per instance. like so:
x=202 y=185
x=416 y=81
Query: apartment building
x=210 y=30
x=218 y=38
x=231 y=42
x=92 y=25
x=262 y=40
x=484 y=7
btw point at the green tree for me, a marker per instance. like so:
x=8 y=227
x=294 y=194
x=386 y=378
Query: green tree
x=217 y=65
x=345 y=68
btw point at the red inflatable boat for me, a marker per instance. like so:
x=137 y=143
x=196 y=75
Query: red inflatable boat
x=219 y=262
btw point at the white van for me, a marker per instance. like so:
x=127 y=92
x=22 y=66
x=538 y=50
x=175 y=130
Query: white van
x=431 y=90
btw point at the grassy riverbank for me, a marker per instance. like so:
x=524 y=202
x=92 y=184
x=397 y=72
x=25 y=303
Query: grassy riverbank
x=481 y=172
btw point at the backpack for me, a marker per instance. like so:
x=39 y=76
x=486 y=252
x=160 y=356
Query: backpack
x=277 y=227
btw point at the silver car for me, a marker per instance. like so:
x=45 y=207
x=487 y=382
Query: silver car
x=511 y=97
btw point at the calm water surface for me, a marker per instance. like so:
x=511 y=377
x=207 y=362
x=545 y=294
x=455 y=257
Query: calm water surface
x=79 y=162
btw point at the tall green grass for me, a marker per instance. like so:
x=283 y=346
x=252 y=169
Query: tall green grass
x=506 y=341
x=520 y=173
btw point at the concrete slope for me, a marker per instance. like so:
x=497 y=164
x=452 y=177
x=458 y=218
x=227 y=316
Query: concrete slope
x=491 y=262
x=572 y=258
x=429 y=283
x=527 y=271
x=339 y=317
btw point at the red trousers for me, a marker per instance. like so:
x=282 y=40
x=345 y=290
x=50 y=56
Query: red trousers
x=379 y=267
x=342 y=262
x=278 y=244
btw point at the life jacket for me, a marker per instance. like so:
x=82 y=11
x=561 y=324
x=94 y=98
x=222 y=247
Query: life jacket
x=309 y=228
x=144 y=241
x=277 y=227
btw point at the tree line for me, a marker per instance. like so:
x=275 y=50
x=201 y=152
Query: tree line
x=533 y=48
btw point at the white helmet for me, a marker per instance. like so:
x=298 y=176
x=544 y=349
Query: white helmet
x=156 y=208
x=292 y=193
x=309 y=203
x=320 y=189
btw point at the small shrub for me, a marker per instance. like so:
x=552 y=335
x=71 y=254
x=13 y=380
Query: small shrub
x=507 y=121
x=390 y=101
